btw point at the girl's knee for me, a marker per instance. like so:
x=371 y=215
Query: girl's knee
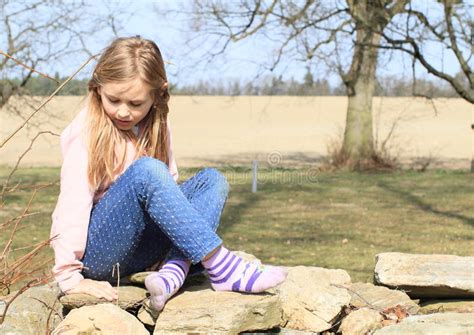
x=150 y=167
x=218 y=179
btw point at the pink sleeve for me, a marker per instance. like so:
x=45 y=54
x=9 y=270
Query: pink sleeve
x=70 y=219
x=172 y=165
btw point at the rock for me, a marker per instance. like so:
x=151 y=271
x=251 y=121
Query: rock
x=285 y=331
x=443 y=306
x=380 y=297
x=246 y=256
x=29 y=312
x=129 y=297
x=433 y=324
x=139 y=277
x=100 y=319
x=200 y=309
x=426 y=276
x=361 y=321
x=313 y=297
x=146 y=315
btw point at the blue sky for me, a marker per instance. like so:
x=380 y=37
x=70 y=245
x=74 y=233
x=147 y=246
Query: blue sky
x=242 y=61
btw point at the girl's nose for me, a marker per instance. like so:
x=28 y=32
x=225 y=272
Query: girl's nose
x=123 y=112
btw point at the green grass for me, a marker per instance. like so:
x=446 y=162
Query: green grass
x=302 y=217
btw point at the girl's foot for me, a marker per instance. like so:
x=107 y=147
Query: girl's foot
x=228 y=272
x=163 y=284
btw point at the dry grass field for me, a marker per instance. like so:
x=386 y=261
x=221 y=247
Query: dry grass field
x=292 y=130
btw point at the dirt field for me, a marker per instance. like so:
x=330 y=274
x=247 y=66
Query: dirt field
x=286 y=130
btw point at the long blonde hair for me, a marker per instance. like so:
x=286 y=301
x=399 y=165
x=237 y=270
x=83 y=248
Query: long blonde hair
x=123 y=60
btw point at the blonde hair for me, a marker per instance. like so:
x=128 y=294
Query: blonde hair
x=123 y=60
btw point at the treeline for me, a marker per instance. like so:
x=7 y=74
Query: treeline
x=41 y=86
x=270 y=85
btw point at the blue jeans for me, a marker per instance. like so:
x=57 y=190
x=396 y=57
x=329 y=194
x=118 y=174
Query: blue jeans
x=145 y=217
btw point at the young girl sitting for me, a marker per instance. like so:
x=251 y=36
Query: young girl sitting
x=119 y=201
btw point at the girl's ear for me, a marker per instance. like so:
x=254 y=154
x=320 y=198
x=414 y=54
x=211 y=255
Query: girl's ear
x=164 y=90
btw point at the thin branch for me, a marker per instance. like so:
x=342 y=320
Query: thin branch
x=27 y=67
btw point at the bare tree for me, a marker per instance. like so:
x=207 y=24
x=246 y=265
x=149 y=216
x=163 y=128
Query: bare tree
x=312 y=31
x=368 y=19
x=444 y=28
x=432 y=32
x=34 y=34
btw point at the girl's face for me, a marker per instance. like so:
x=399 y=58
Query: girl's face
x=126 y=103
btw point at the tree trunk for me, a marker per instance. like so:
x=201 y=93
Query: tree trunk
x=472 y=148
x=358 y=146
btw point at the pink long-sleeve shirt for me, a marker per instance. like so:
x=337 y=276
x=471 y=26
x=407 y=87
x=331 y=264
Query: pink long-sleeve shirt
x=70 y=218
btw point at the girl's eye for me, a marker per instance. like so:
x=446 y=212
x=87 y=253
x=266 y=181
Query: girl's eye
x=117 y=101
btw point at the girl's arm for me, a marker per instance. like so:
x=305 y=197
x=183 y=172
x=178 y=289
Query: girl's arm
x=71 y=215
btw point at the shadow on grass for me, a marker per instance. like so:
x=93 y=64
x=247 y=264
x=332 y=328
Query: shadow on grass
x=415 y=200
x=274 y=158
x=232 y=214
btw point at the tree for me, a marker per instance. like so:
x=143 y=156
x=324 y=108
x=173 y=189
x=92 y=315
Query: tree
x=446 y=26
x=35 y=33
x=369 y=18
x=306 y=31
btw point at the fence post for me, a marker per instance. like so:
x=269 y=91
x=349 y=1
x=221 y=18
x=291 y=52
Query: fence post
x=254 y=176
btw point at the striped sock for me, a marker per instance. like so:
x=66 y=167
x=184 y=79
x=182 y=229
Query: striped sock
x=165 y=283
x=228 y=272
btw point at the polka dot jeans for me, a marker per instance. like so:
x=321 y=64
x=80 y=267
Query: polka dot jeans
x=145 y=217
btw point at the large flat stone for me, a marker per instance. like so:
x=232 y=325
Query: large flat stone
x=380 y=297
x=432 y=324
x=129 y=297
x=426 y=276
x=313 y=297
x=361 y=322
x=199 y=309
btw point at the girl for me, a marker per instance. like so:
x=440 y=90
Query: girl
x=119 y=201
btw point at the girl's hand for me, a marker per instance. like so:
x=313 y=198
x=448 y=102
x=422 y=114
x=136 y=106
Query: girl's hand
x=98 y=289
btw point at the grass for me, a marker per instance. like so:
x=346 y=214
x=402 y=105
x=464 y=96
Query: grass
x=304 y=217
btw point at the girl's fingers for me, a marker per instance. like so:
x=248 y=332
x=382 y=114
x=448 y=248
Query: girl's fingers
x=105 y=283
x=112 y=291
x=100 y=293
x=98 y=289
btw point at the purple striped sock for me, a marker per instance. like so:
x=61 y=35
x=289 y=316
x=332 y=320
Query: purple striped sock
x=163 y=284
x=229 y=272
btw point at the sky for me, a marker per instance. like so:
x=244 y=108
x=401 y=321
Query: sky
x=241 y=61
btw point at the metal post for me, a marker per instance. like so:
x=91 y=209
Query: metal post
x=254 y=176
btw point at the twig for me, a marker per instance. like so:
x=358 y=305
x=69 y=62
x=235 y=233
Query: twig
x=360 y=297
x=10 y=240
x=38 y=186
x=5 y=224
x=27 y=67
x=117 y=266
